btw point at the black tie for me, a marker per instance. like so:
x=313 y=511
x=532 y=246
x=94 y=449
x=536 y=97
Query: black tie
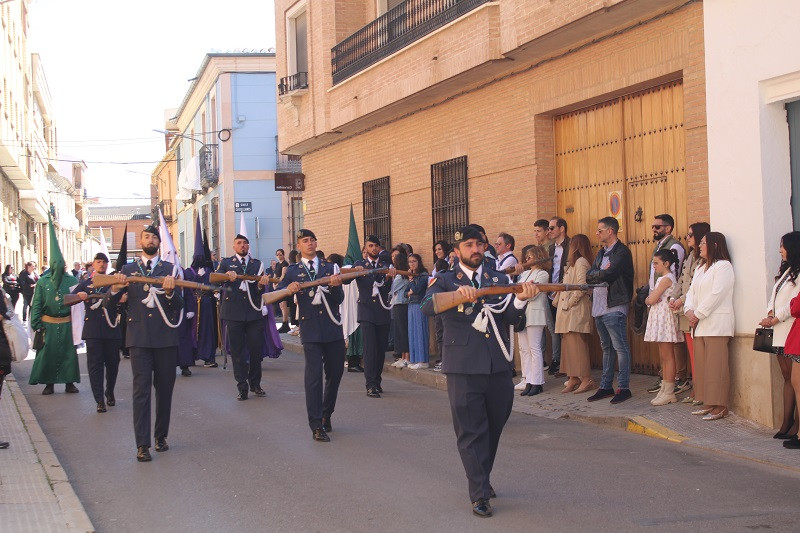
x=311 y=271
x=374 y=264
x=475 y=280
x=244 y=263
x=149 y=266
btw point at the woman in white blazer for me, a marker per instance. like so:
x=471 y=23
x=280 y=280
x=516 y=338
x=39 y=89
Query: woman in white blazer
x=709 y=308
x=530 y=338
x=779 y=318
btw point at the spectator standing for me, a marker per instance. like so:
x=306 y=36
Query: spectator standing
x=504 y=245
x=27 y=282
x=536 y=309
x=5 y=351
x=558 y=249
x=417 y=322
x=574 y=319
x=709 y=308
x=11 y=285
x=662 y=324
x=778 y=317
x=399 y=322
x=613 y=266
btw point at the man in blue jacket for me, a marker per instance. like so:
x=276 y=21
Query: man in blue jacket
x=320 y=331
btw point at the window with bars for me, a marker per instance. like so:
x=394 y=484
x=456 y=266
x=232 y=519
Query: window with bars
x=449 y=199
x=377 y=215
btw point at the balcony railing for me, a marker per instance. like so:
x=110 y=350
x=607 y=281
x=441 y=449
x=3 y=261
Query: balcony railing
x=293 y=83
x=396 y=29
x=209 y=169
x=289 y=163
x=166 y=209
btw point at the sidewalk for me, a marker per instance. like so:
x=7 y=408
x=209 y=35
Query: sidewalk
x=35 y=494
x=733 y=435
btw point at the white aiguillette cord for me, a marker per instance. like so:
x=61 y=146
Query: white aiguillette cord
x=377 y=292
x=320 y=299
x=244 y=287
x=94 y=307
x=486 y=317
x=152 y=300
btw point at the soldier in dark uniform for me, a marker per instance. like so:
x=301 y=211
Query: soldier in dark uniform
x=103 y=336
x=479 y=382
x=320 y=331
x=241 y=310
x=152 y=337
x=374 y=314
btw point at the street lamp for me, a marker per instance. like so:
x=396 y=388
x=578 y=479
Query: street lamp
x=209 y=174
x=176 y=134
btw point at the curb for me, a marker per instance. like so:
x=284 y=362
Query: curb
x=68 y=502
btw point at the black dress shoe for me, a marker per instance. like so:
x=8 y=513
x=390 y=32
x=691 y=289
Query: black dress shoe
x=536 y=389
x=4 y=445
x=143 y=454
x=242 y=396
x=284 y=328
x=353 y=369
x=48 y=389
x=600 y=394
x=71 y=388
x=379 y=389
x=554 y=368
x=359 y=368
x=492 y=493
x=525 y=392
x=186 y=372
x=320 y=435
x=482 y=508
x=793 y=443
x=326 y=425
x=110 y=400
x=783 y=436
x=161 y=444
x=101 y=407
x=373 y=393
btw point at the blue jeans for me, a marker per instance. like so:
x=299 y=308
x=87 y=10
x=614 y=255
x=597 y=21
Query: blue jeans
x=613 y=331
x=555 y=339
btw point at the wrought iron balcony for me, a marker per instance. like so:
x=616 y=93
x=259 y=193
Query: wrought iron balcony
x=166 y=210
x=209 y=169
x=294 y=82
x=396 y=29
x=289 y=163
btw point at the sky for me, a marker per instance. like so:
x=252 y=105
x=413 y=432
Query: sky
x=113 y=67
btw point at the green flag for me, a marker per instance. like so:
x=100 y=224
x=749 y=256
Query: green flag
x=353 y=243
x=56 y=258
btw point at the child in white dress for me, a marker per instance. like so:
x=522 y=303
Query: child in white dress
x=662 y=324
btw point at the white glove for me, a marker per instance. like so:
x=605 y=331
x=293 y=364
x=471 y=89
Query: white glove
x=190 y=315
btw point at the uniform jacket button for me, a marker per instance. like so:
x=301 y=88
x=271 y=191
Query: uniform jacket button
x=487 y=335
x=151 y=314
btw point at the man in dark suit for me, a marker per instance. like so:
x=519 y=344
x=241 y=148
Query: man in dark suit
x=240 y=308
x=373 y=313
x=103 y=336
x=476 y=361
x=320 y=331
x=559 y=252
x=152 y=338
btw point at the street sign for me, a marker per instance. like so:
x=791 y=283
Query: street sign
x=290 y=181
x=242 y=206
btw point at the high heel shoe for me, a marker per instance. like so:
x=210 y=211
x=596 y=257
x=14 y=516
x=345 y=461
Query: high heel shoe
x=586 y=386
x=700 y=412
x=784 y=436
x=721 y=414
x=527 y=390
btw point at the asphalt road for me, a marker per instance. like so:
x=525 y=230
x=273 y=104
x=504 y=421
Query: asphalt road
x=391 y=466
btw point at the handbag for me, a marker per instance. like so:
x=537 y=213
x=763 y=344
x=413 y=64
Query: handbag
x=519 y=325
x=762 y=342
x=38 y=340
x=17 y=337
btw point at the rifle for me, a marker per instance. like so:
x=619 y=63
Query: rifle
x=104 y=280
x=527 y=264
x=218 y=277
x=442 y=301
x=72 y=299
x=276 y=296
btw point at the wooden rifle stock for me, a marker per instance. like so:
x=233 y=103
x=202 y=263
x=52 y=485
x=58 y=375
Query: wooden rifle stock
x=347 y=274
x=72 y=299
x=444 y=301
x=104 y=280
x=218 y=277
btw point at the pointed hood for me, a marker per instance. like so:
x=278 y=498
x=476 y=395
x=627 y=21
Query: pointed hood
x=57 y=263
x=198 y=258
x=207 y=252
x=122 y=256
x=353 y=243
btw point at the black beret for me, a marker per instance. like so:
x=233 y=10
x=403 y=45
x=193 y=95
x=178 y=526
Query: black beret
x=478 y=227
x=466 y=233
x=101 y=256
x=152 y=229
x=305 y=233
x=373 y=239
x=240 y=236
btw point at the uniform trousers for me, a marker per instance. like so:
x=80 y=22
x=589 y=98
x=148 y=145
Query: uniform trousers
x=321 y=400
x=480 y=405
x=246 y=334
x=152 y=367
x=102 y=358
x=376 y=339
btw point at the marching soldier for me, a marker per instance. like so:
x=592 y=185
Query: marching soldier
x=103 y=337
x=153 y=315
x=320 y=331
x=373 y=314
x=240 y=308
x=475 y=360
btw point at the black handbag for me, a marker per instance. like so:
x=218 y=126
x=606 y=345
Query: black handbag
x=519 y=325
x=762 y=342
x=38 y=340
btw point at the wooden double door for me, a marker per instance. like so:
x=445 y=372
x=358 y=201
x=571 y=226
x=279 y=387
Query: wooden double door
x=624 y=158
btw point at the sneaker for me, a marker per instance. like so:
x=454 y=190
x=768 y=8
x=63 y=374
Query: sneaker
x=682 y=385
x=656 y=387
x=520 y=385
x=621 y=396
x=418 y=366
x=600 y=394
x=210 y=364
x=437 y=367
x=400 y=363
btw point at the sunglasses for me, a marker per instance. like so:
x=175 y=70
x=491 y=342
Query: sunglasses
x=690 y=235
x=657 y=226
x=552 y=228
